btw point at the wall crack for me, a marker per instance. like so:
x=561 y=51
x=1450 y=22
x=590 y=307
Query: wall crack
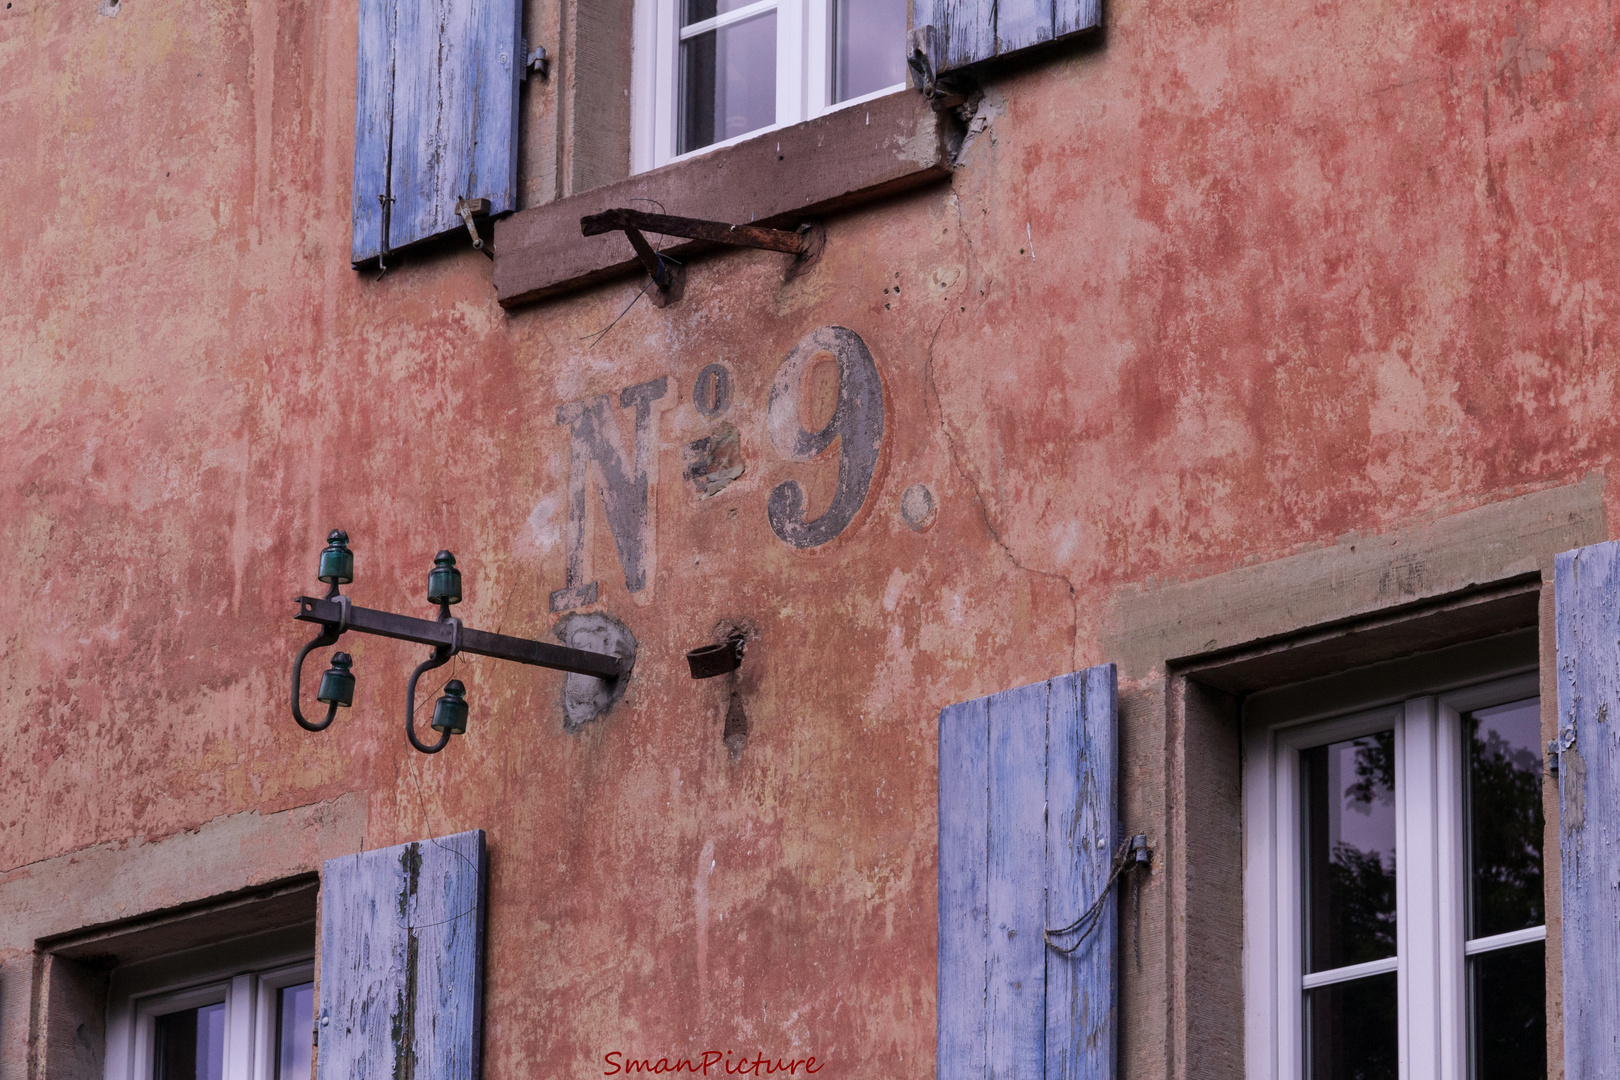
x=931 y=390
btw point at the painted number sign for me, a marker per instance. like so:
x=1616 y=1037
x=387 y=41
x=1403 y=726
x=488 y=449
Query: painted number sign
x=624 y=473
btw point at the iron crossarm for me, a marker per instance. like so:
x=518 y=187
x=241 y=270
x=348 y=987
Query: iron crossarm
x=718 y=232
x=482 y=642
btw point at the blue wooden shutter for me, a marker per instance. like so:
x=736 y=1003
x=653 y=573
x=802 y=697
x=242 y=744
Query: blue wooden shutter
x=435 y=117
x=1586 y=583
x=1027 y=833
x=966 y=31
x=402 y=947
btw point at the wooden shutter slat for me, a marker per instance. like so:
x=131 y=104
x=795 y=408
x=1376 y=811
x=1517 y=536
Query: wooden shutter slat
x=964 y=30
x=374 y=102
x=1082 y=836
x=1027 y=832
x=964 y=832
x=417 y=153
x=1016 y=1025
x=1022 y=22
x=1073 y=16
x=967 y=31
x=1586 y=585
x=401 y=961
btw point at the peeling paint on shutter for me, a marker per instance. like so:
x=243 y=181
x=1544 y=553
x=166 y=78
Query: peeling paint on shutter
x=966 y=31
x=1586 y=585
x=401 y=962
x=1027 y=833
x=435 y=117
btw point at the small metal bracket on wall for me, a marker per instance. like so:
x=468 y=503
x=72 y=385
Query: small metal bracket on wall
x=724 y=658
x=634 y=223
x=536 y=61
x=468 y=209
x=447 y=636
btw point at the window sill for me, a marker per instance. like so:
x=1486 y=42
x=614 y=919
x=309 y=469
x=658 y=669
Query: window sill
x=838 y=160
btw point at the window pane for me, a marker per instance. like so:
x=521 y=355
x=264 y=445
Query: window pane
x=1351 y=1030
x=695 y=11
x=869 y=46
x=728 y=82
x=1349 y=832
x=190 y=1045
x=1507 y=992
x=1505 y=818
x=295 y=1018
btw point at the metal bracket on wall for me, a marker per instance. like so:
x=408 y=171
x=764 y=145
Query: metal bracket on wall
x=538 y=62
x=336 y=616
x=633 y=223
x=468 y=209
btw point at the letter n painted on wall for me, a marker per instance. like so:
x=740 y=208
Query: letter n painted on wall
x=625 y=481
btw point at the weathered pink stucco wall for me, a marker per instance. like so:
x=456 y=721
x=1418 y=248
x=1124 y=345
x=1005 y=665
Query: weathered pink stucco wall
x=1235 y=280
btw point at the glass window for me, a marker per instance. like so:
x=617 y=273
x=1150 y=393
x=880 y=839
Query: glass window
x=190 y=1044
x=1505 y=818
x=295 y=1031
x=1397 y=903
x=728 y=74
x=1348 y=827
x=1350 y=1029
x=1349 y=831
x=1507 y=1008
x=868 y=51
x=709 y=71
x=215 y=1022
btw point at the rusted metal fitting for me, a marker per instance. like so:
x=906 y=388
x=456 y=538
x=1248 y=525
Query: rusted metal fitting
x=721 y=658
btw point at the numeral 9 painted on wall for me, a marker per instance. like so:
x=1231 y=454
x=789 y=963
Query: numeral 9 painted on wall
x=856 y=424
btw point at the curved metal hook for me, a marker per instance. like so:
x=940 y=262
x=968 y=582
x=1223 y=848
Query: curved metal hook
x=327 y=636
x=441 y=656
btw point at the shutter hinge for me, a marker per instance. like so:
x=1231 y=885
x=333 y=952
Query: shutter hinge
x=536 y=62
x=920 y=58
x=1556 y=748
x=1139 y=853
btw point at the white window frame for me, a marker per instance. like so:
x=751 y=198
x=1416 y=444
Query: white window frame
x=804 y=85
x=250 y=1015
x=1431 y=887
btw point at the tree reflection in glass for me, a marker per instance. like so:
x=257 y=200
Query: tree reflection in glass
x=1349 y=851
x=1349 y=905
x=1507 y=986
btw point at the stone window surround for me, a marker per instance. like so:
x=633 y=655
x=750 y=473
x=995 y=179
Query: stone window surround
x=66 y=930
x=74 y=973
x=1189 y=654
